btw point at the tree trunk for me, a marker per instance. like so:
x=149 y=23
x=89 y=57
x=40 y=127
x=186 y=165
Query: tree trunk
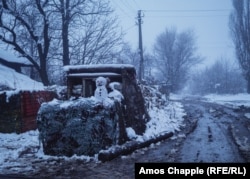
x=65 y=45
x=44 y=77
x=248 y=85
x=127 y=148
x=65 y=33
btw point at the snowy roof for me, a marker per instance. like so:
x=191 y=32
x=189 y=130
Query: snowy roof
x=10 y=57
x=98 y=67
x=13 y=80
x=93 y=75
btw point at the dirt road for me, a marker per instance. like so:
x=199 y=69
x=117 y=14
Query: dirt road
x=213 y=139
x=212 y=133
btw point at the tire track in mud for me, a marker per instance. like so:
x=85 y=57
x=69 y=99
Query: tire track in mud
x=211 y=141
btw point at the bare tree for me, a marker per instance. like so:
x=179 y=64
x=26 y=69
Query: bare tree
x=128 y=55
x=53 y=33
x=175 y=55
x=24 y=26
x=98 y=42
x=87 y=30
x=131 y=56
x=222 y=77
x=240 y=31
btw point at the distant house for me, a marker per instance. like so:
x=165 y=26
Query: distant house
x=8 y=59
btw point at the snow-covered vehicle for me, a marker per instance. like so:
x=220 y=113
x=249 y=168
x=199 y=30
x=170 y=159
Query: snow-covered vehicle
x=81 y=124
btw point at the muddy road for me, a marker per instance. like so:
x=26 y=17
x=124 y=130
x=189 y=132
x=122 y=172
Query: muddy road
x=211 y=133
x=221 y=134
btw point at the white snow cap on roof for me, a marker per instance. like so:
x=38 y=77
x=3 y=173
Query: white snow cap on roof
x=68 y=67
x=10 y=57
x=17 y=81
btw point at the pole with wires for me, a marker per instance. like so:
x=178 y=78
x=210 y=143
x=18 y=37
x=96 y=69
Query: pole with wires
x=140 y=47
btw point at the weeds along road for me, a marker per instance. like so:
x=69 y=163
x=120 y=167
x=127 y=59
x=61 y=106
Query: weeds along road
x=212 y=133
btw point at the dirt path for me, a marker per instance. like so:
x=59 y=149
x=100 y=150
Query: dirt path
x=211 y=141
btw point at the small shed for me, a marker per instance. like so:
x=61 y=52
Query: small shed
x=81 y=78
x=81 y=82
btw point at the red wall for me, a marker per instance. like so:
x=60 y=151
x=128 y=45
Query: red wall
x=30 y=104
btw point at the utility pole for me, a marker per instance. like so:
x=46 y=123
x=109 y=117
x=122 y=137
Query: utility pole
x=140 y=47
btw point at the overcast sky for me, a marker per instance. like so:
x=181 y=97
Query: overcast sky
x=207 y=18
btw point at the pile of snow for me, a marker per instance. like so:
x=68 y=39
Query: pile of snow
x=13 y=145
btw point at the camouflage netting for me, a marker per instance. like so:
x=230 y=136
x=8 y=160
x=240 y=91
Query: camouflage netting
x=81 y=126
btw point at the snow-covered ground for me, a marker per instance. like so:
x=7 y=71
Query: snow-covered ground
x=13 y=146
x=225 y=99
x=230 y=100
x=165 y=119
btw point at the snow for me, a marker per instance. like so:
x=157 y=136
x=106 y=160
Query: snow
x=17 y=81
x=115 y=94
x=12 y=83
x=13 y=146
x=225 y=99
x=231 y=100
x=10 y=57
x=77 y=67
x=10 y=79
x=168 y=118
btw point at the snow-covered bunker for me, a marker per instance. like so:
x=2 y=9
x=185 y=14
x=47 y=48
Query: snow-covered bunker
x=81 y=82
x=81 y=126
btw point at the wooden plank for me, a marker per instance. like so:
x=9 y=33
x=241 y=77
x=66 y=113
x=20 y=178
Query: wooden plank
x=28 y=123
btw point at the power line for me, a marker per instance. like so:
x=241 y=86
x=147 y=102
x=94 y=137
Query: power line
x=127 y=29
x=186 y=16
x=138 y=7
x=118 y=6
x=186 y=11
x=128 y=6
x=193 y=10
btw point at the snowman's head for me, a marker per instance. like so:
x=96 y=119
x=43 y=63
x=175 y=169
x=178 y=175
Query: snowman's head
x=101 y=81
